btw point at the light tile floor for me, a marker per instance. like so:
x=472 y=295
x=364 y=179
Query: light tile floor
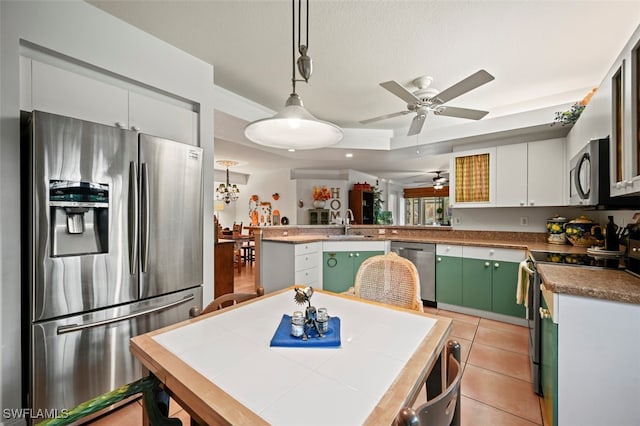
x=496 y=383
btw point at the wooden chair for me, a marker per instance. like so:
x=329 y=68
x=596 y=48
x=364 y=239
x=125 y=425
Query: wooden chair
x=390 y=279
x=230 y=299
x=237 y=228
x=444 y=409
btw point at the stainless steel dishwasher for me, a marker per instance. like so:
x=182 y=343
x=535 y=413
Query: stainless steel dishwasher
x=422 y=255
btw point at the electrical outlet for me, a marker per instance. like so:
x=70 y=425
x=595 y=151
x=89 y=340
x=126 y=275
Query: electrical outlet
x=456 y=221
x=524 y=221
x=381 y=231
x=285 y=233
x=394 y=231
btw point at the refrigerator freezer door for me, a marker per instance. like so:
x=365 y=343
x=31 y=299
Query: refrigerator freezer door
x=170 y=216
x=81 y=217
x=81 y=357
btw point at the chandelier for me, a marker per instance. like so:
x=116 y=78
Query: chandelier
x=294 y=127
x=228 y=192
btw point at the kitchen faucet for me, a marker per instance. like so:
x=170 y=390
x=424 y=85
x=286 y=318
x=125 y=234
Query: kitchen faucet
x=348 y=220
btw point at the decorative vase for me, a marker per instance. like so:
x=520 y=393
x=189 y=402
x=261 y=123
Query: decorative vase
x=555 y=230
x=318 y=204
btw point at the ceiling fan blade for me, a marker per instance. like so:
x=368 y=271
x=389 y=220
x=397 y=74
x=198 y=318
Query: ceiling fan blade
x=384 y=117
x=474 y=80
x=416 y=124
x=400 y=91
x=472 y=114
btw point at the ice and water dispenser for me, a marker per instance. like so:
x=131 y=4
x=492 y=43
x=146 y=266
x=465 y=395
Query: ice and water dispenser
x=79 y=215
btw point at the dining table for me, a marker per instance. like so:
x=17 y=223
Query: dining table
x=229 y=366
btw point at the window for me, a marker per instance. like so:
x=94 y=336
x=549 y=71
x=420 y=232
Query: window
x=472 y=178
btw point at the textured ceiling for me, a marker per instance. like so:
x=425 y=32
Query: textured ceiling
x=542 y=53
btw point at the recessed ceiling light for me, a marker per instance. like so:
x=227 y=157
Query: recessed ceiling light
x=348 y=155
x=291 y=150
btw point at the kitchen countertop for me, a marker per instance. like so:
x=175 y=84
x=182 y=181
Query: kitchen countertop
x=606 y=284
x=507 y=244
x=601 y=283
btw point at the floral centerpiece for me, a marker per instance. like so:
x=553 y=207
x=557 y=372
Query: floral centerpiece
x=320 y=195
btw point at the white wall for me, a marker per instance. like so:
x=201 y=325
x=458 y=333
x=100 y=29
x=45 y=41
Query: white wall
x=82 y=32
x=338 y=204
x=264 y=185
x=508 y=218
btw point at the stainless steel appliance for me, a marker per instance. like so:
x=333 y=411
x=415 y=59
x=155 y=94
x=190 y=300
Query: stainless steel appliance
x=590 y=180
x=633 y=260
x=424 y=257
x=113 y=240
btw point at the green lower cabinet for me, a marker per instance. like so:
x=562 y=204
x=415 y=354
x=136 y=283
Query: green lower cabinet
x=505 y=283
x=449 y=280
x=476 y=284
x=339 y=268
x=549 y=367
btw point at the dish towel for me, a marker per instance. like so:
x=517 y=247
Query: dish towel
x=283 y=337
x=522 y=290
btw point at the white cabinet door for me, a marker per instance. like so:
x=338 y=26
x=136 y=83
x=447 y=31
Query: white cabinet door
x=547 y=179
x=531 y=174
x=158 y=118
x=66 y=93
x=511 y=175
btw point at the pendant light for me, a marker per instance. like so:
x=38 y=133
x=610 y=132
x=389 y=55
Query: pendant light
x=227 y=193
x=294 y=127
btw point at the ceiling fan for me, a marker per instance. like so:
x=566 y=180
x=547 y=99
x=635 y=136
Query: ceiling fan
x=427 y=99
x=438 y=180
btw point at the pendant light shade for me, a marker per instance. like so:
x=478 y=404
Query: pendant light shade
x=294 y=127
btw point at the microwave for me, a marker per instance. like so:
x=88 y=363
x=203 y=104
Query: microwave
x=590 y=181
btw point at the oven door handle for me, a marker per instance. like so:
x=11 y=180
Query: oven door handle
x=79 y=327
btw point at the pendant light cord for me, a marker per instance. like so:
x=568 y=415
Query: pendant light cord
x=293 y=45
x=293 y=37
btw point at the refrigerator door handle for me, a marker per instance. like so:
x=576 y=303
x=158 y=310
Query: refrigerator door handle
x=133 y=217
x=78 y=327
x=144 y=254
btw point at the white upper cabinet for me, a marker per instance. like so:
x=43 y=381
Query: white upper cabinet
x=546 y=173
x=66 y=93
x=63 y=92
x=531 y=174
x=154 y=117
x=511 y=175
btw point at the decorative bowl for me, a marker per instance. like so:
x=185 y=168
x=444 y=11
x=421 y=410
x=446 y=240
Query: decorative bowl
x=582 y=232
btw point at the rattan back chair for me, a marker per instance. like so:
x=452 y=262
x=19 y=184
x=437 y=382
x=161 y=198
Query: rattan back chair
x=390 y=279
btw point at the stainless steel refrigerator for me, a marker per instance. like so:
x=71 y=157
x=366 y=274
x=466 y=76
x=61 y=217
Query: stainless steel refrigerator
x=112 y=249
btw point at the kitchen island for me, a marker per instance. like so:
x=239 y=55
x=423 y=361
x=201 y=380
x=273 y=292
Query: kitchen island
x=590 y=344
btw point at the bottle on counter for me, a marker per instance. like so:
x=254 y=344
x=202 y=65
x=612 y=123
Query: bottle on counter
x=611 y=237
